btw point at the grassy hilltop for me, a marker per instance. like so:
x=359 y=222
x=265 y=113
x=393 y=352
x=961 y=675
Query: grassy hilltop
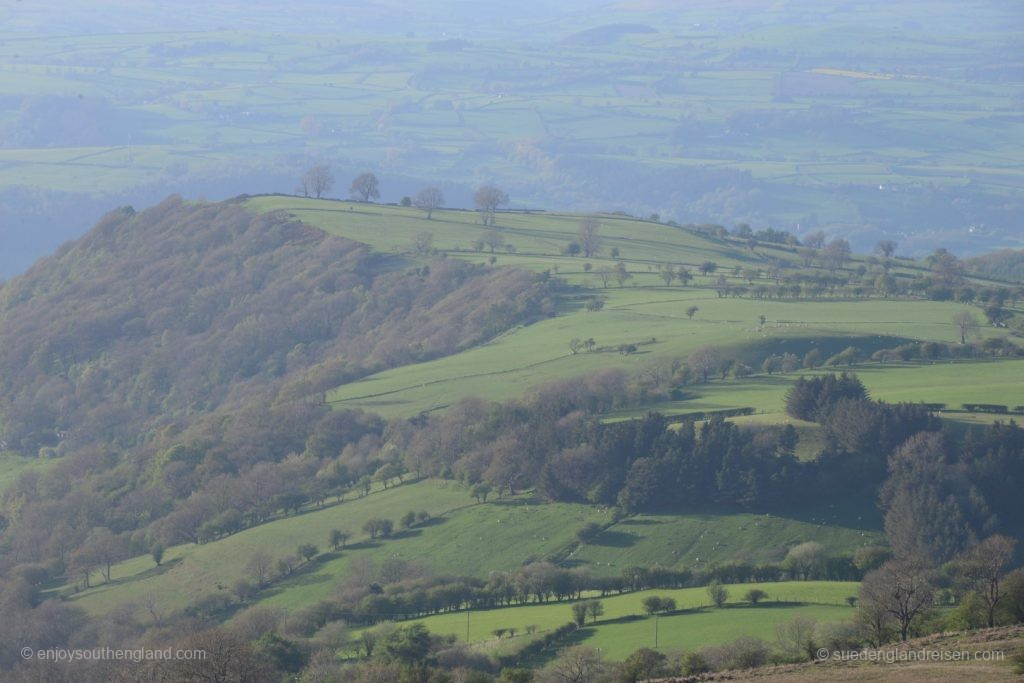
x=645 y=308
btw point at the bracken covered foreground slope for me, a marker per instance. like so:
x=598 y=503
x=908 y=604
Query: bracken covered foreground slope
x=1005 y=642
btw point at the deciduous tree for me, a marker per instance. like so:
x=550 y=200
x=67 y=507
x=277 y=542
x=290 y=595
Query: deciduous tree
x=428 y=199
x=589 y=237
x=981 y=569
x=365 y=187
x=487 y=199
x=966 y=323
x=317 y=181
x=903 y=588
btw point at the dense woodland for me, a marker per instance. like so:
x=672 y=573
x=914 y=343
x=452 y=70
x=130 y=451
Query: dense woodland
x=1007 y=264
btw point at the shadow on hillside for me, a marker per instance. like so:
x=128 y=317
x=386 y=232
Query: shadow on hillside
x=406 y=533
x=639 y=522
x=767 y=604
x=614 y=539
x=363 y=545
x=302 y=576
x=433 y=521
x=120 y=580
x=512 y=502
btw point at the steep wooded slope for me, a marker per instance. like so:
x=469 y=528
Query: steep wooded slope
x=196 y=316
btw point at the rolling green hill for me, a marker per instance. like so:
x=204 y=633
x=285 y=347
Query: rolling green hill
x=643 y=310
x=342 y=339
x=462 y=536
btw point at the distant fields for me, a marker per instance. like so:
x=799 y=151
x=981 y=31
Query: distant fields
x=902 y=120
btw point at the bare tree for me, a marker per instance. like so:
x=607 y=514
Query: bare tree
x=428 y=199
x=605 y=273
x=423 y=242
x=317 y=181
x=487 y=200
x=494 y=240
x=874 y=623
x=621 y=274
x=885 y=248
x=667 y=274
x=226 y=657
x=815 y=240
x=337 y=538
x=152 y=605
x=576 y=665
x=718 y=593
x=703 y=361
x=806 y=559
x=590 y=240
x=796 y=637
x=981 y=570
x=365 y=187
x=836 y=254
x=259 y=569
x=901 y=587
x=966 y=323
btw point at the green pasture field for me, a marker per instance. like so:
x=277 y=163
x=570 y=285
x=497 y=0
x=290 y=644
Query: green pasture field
x=190 y=571
x=999 y=382
x=699 y=541
x=624 y=627
x=464 y=538
x=534 y=234
x=701 y=628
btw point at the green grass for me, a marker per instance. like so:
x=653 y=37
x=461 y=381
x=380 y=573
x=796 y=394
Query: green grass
x=465 y=539
x=697 y=541
x=702 y=628
x=543 y=235
x=624 y=628
x=191 y=571
x=954 y=384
